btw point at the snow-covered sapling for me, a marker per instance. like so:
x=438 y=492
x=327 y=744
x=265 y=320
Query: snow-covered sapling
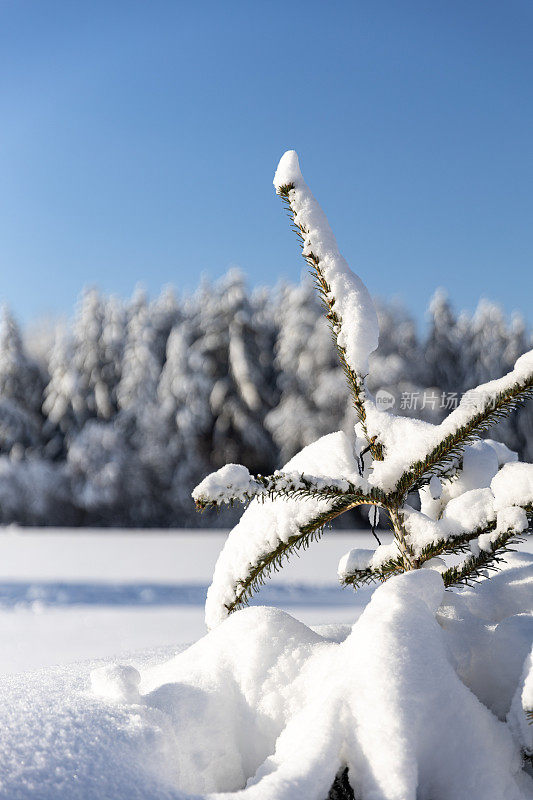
x=475 y=498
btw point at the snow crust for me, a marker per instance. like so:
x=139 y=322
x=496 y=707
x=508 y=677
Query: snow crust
x=266 y=523
x=358 y=330
x=265 y=708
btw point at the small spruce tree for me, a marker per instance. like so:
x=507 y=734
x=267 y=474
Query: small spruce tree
x=475 y=498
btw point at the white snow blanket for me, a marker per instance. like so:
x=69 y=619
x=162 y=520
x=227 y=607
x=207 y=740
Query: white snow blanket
x=422 y=700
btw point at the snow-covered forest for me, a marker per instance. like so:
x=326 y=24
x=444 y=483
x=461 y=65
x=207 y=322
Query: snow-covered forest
x=112 y=419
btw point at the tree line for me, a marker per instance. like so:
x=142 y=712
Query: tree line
x=115 y=419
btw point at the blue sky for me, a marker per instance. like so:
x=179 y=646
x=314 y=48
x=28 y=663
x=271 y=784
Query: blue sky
x=139 y=140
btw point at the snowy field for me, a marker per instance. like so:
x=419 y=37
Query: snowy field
x=66 y=596
x=84 y=732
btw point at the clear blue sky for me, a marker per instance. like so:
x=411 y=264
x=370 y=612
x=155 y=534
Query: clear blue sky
x=138 y=142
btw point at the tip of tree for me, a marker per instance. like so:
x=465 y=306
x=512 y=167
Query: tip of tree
x=288 y=171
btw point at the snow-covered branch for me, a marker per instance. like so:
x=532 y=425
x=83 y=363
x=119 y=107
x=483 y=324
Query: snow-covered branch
x=271 y=529
x=234 y=483
x=415 y=450
x=360 y=567
x=495 y=545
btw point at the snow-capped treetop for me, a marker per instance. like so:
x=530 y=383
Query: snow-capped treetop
x=358 y=330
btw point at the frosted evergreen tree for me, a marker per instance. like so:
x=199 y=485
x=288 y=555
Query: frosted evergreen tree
x=398 y=368
x=85 y=365
x=398 y=356
x=489 y=341
x=21 y=386
x=63 y=403
x=227 y=347
x=494 y=346
x=164 y=313
x=310 y=381
x=108 y=480
x=137 y=389
x=476 y=499
x=21 y=380
x=180 y=440
x=445 y=346
x=88 y=327
x=34 y=491
x=137 y=420
x=112 y=344
x=214 y=388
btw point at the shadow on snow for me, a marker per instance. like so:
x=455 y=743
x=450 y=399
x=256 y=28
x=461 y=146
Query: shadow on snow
x=21 y=594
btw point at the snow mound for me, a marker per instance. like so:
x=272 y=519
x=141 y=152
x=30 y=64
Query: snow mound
x=414 y=701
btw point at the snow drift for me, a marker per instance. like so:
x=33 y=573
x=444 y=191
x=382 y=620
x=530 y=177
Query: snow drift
x=414 y=701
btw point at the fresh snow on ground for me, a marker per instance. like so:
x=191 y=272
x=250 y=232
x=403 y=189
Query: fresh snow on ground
x=171 y=722
x=72 y=595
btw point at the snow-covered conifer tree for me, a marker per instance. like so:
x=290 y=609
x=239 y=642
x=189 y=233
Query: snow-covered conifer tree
x=310 y=381
x=398 y=369
x=181 y=436
x=164 y=313
x=137 y=389
x=445 y=346
x=20 y=378
x=21 y=386
x=491 y=348
x=475 y=499
x=228 y=349
x=63 y=403
x=214 y=389
x=107 y=478
x=85 y=365
x=389 y=458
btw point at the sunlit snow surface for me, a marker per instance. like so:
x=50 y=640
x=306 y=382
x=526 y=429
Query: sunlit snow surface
x=164 y=723
x=70 y=596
